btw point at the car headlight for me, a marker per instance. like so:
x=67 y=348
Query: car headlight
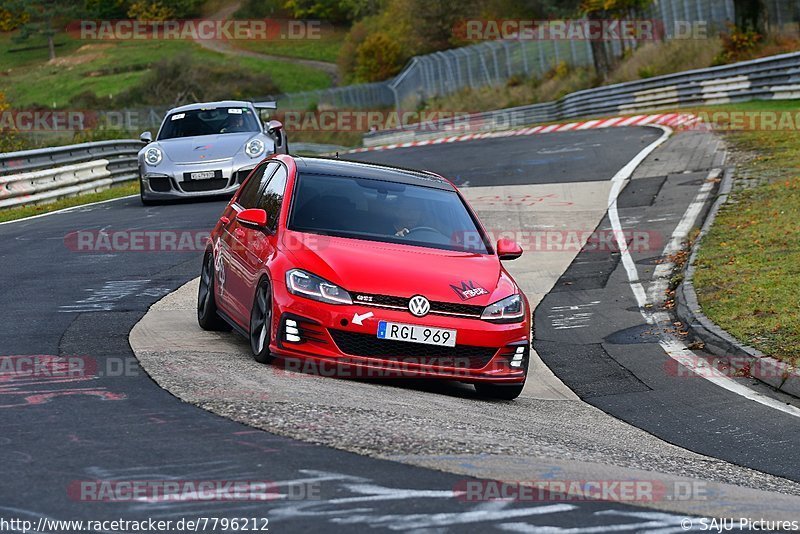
x=254 y=148
x=153 y=156
x=509 y=310
x=311 y=286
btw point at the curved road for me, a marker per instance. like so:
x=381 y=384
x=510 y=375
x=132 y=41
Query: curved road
x=108 y=421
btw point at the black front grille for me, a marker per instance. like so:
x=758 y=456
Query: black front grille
x=442 y=308
x=460 y=356
x=460 y=309
x=239 y=176
x=160 y=184
x=194 y=186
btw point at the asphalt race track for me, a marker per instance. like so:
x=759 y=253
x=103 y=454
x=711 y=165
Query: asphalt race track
x=114 y=423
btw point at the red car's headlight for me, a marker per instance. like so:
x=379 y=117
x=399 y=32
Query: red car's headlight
x=509 y=310
x=308 y=285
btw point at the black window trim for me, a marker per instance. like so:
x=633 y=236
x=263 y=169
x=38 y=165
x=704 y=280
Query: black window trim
x=274 y=227
x=261 y=187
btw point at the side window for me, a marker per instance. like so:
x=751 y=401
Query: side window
x=272 y=197
x=248 y=198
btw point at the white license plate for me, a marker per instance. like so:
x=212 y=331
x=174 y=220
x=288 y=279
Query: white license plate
x=413 y=333
x=203 y=175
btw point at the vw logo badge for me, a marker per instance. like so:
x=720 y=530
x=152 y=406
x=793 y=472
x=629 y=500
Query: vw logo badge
x=419 y=306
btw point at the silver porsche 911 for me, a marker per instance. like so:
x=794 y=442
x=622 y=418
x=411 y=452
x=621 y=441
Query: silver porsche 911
x=206 y=149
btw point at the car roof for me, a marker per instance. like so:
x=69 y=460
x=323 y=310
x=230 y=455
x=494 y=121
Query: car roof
x=374 y=171
x=211 y=105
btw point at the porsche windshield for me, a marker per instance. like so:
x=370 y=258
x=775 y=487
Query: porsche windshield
x=208 y=122
x=384 y=211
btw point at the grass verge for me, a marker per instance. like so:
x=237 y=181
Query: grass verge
x=21 y=212
x=749 y=263
x=325 y=47
x=106 y=69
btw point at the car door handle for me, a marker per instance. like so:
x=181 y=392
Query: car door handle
x=224 y=220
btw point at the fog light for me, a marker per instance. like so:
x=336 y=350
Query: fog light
x=290 y=331
x=519 y=354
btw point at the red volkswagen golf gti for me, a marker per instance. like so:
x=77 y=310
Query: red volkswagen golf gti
x=368 y=268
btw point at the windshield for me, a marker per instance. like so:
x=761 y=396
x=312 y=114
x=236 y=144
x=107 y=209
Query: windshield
x=384 y=211
x=208 y=122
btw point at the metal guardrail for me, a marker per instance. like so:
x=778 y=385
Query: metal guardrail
x=770 y=78
x=44 y=175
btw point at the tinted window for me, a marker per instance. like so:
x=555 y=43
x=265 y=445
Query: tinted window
x=272 y=197
x=248 y=198
x=384 y=211
x=208 y=122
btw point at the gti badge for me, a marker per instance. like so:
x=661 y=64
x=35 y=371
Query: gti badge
x=419 y=306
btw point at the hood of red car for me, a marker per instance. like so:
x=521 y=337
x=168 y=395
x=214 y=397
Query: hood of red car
x=361 y=266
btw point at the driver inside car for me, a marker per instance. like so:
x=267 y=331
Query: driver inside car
x=233 y=124
x=409 y=216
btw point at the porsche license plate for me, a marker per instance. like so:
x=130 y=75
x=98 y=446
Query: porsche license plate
x=413 y=333
x=202 y=175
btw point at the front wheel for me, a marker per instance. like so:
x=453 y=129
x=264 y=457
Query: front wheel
x=499 y=391
x=261 y=323
x=207 y=315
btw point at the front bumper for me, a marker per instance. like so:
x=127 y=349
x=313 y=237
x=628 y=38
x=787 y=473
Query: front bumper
x=327 y=342
x=171 y=181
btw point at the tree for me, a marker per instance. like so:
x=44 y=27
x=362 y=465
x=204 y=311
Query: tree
x=41 y=18
x=750 y=15
x=605 y=10
x=378 y=58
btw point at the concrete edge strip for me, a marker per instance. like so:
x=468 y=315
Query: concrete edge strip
x=718 y=341
x=671 y=120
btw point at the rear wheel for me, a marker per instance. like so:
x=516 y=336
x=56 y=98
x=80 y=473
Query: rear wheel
x=499 y=391
x=207 y=315
x=261 y=323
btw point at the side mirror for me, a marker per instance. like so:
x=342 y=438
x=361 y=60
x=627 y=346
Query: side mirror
x=508 y=249
x=273 y=126
x=254 y=218
x=146 y=137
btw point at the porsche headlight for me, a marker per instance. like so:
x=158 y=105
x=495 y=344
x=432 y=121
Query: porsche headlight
x=153 y=156
x=509 y=310
x=307 y=285
x=254 y=148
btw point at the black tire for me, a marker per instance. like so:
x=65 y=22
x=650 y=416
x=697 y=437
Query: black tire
x=499 y=391
x=261 y=323
x=207 y=316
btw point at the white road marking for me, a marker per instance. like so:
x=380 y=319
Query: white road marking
x=566 y=320
x=64 y=210
x=657 y=521
x=674 y=347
